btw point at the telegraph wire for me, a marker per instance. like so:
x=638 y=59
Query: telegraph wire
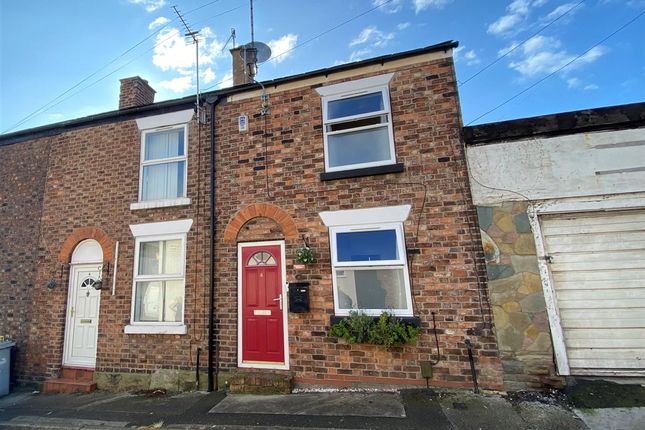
x=332 y=29
x=329 y=30
x=56 y=100
x=459 y=84
x=559 y=69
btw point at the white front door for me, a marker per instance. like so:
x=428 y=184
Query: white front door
x=81 y=329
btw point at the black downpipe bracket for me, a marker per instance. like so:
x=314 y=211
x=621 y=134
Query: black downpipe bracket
x=212 y=353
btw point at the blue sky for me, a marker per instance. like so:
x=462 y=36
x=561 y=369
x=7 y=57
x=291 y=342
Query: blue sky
x=62 y=60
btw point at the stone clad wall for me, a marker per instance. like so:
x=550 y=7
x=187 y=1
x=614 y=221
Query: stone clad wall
x=519 y=310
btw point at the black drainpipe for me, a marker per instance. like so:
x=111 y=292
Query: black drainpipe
x=212 y=101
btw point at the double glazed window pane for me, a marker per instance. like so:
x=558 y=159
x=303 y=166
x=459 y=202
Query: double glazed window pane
x=160 y=258
x=377 y=245
x=356 y=147
x=358 y=105
x=163 y=181
x=159 y=301
x=369 y=289
x=164 y=144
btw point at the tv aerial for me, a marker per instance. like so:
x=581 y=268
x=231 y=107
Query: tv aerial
x=254 y=52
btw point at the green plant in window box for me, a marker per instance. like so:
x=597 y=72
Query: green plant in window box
x=386 y=330
x=305 y=255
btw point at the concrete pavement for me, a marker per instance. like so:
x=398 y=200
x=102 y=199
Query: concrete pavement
x=407 y=409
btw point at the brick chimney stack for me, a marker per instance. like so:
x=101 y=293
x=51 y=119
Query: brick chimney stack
x=135 y=92
x=239 y=77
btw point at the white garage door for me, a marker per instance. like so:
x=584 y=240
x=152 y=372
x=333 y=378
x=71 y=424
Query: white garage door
x=597 y=263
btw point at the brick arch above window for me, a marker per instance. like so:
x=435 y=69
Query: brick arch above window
x=261 y=210
x=82 y=234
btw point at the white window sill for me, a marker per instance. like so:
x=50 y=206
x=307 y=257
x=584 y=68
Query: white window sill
x=183 y=201
x=155 y=329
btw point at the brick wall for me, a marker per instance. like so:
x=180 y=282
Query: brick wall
x=279 y=160
x=93 y=179
x=24 y=168
x=93 y=176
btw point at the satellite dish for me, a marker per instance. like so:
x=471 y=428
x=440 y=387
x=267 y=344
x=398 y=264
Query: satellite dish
x=255 y=52
x=252 y=54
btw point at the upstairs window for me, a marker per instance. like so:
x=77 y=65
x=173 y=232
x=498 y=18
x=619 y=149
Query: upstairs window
x=357 y=124
x=163 y=164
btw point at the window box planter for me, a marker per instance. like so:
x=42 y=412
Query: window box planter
x=387 y=330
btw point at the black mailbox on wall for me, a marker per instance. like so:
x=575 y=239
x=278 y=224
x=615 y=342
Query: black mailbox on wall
x=299 y=297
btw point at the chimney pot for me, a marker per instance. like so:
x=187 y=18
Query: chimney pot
x=135 y=92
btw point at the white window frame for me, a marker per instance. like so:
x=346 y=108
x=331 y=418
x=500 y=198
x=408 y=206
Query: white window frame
x=401 y=263
x=155 y=232
x=352 y=89
x=145 y=163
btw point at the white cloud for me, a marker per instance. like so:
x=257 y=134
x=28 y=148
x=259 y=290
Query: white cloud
x=162 y=20
x=573 y=82
x=516 y=14
x=372 y=36
x=390 y=7
x=558 y=11
x=281 y=48
x=360 y=54
x=542 y=55
x=175 y=54
x=178 y=85
x=421 y=5
x=207 y=75
x=508 y=48
x=469 y=57
x=173 y=51
x=227 y=81
x=590 y=87
x=402 y=26
x=149 y=5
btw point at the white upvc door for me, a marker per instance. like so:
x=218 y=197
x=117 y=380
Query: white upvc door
x=82 y=322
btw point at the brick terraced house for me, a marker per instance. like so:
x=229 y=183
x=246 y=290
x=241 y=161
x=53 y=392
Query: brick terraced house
x=109 y=235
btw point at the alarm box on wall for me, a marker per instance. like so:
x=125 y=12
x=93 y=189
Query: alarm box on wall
x=299 y=297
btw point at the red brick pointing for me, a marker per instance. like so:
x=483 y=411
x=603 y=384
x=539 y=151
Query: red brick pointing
x=86 y=233
x=261 y=210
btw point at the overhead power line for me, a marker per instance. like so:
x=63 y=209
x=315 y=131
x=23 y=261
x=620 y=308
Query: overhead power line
x=559 y=69
x=329 y=30
x=520 y=44
x=57 y=100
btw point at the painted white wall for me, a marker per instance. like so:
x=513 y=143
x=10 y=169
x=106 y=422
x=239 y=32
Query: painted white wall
x=584 y=164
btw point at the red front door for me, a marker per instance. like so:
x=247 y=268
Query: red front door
x=262 y=303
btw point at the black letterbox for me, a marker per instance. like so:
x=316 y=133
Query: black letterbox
x=299 y=297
